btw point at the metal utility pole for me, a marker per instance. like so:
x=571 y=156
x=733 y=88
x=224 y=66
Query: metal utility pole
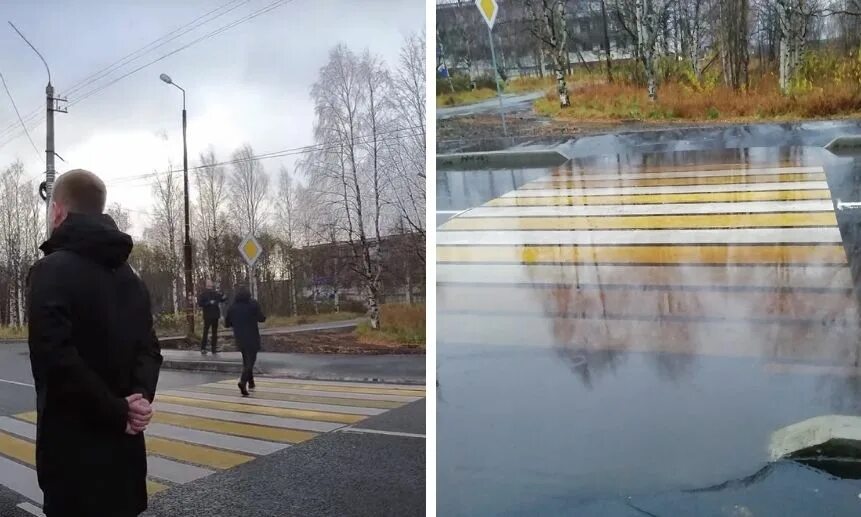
x=51 y=104
x=186 y=248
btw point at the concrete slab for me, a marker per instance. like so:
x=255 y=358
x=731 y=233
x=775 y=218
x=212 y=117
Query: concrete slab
x=506 y=159
x=816 y=432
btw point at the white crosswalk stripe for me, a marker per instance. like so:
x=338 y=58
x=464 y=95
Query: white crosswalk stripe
x=193 y=433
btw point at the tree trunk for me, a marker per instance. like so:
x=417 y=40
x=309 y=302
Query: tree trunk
x=374 y=306
x=651 y=81
x=293 y=304
x=607 y=52
x=540 y=62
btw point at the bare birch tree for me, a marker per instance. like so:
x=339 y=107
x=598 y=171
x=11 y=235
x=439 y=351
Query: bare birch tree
x=650 y=15
x=549 y=25
x=406 y=154
x=249 y=185
x=341 y=100
x=733 y=36
x=120 y=216
x=165 y=231
x=210 y=180
x=288 y=222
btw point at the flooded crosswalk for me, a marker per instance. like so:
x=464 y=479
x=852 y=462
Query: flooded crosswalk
x=725 y=259
x=199 y=430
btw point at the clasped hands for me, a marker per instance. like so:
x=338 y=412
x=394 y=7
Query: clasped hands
x=140 y=414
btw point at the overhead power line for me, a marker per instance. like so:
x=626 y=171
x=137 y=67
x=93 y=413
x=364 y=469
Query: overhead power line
x=153 y=45
x=15 y=106
x=383 y=137
x=264 y=10
x=135 y=55
x=269 y=7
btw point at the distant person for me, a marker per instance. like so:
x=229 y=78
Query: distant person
x=243 y=316
x=95 y=359
x=209 y=301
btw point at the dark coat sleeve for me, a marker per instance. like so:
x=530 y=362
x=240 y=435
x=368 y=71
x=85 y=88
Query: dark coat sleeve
x=260 y=316
x=148 y=357
x=56 y=362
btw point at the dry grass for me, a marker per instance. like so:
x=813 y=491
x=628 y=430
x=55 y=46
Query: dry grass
x=304 y=319
x=529 y=84
x=676 y=101
x=465 y=97
x=402 y=324
x=16 y=333
x=828 y=85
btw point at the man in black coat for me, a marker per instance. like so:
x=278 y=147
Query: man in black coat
x=243 y=316
x=209 y=301
x=95 y=359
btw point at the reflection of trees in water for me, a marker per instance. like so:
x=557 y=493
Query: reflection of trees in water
x=843 y=392
x=673 y=366
x=585 y=351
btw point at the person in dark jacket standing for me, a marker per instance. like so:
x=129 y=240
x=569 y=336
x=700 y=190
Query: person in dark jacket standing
x=210 y=300
x=243 y=316
x=95 y=359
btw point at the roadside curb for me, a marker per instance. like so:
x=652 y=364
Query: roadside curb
x=236 y=368
x=842 y=143
x=412 y=381
x=206 y=366
x=508 y=159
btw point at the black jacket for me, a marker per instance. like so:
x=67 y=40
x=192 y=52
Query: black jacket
x=208 y=301
x=91 y=344
x=243 y=316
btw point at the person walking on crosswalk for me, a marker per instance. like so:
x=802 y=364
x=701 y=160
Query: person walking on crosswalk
x=95 y=359
x=209 y=301
x=244 y=315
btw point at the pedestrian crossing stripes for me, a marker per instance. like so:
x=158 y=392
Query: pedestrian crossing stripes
x=199 y=430
x=722 y=259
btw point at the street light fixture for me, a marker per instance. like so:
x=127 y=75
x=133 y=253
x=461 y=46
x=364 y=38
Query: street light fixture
x=189 y=288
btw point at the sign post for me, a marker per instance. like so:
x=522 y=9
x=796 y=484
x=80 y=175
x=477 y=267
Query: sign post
x=251 y=250
x=489 y=9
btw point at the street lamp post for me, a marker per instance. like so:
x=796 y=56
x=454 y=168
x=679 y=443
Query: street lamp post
x=186 y=249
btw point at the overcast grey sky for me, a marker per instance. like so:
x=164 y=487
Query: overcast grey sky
x=248 y=84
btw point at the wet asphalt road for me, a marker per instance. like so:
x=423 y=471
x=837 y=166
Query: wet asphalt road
x=511 y=103
x=336 y=474
x=379 y=471
x=584 y=409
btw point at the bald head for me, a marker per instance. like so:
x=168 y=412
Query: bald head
x=77 y=191
x=81 y=192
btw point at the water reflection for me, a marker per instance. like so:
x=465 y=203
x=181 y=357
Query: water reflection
x=566 y=312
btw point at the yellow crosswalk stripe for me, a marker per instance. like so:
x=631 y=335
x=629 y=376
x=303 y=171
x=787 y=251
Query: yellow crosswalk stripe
x=250 y=407
x=651 y=222
x=659 y=182
x=25 y=452
x=263 y=394
x=684 y=254
x=153 y=488
x=29 y=416
x=222 y=426
x=573 y=169
x=17 y=449
x=196 y=454
x=686 y=197
x=413 y=392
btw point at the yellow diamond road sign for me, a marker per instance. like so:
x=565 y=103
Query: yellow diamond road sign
x=250 y=250
x=489 y=9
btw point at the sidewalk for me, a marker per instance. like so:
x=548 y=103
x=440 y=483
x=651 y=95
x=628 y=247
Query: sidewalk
x=400 y=369
x=305 y=327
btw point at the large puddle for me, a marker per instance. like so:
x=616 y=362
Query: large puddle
x=636 y=325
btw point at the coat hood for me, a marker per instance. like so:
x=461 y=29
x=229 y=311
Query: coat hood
x=95 y=237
